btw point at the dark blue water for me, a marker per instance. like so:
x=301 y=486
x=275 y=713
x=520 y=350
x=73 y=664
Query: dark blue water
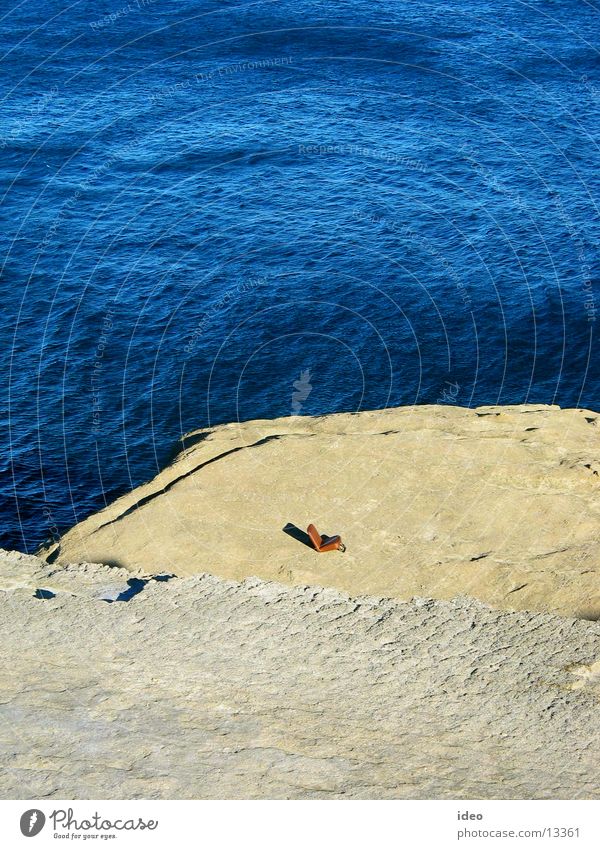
x=216 y=211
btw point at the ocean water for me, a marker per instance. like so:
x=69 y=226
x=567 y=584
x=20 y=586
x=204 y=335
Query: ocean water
x=218 y=211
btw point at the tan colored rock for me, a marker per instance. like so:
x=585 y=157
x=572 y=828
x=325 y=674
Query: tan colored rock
x=201 y=688
x=499 y=503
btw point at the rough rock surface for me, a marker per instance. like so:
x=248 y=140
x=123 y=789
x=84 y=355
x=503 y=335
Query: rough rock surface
x=499 y=503
x=205 y=688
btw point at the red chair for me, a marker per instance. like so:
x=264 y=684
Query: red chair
x=323 y=543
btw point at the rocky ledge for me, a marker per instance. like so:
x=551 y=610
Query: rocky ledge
x=128 y=685
x=498 y=503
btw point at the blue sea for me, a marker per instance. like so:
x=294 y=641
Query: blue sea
x=219 y=211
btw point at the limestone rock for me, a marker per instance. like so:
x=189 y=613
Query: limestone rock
x=499 y=503
x=200 y=687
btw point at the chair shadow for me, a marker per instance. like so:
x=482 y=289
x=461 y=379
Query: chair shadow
x=297 y=534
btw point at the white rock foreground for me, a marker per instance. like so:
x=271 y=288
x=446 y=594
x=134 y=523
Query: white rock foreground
x=122 y=682
x=204 y=688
